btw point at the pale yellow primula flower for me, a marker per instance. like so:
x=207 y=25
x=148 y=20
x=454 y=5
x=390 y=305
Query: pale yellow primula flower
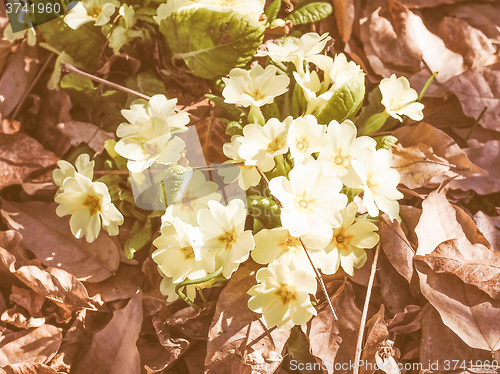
x=282 y=296
x=148 y=137
x=83 y=166
x=97 y=11
x=89 y=205
x=246 y=175
x=399 y=98
x=379 y=182
x=311 y=201
x=260 y=144
x=194 y=194
x=305 y=137
x=254 y=87
x=342 y=147
x=349 y=241
x=177 y=256
x=224 y=236
x=277 y=245
x=297 y=50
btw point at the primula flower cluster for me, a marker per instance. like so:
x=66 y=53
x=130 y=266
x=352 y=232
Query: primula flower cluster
x=329 y=185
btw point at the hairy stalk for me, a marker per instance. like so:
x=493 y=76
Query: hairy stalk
x=189 y=282
x=316 y=271
x=365 y=311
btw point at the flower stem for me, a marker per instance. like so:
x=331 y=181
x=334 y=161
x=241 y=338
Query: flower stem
x=255 y=115
x=426 y=85
x=192 y=282
x=316 y=271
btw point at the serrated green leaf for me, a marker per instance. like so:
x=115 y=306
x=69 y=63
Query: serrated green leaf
x=309 y=13
x=344 y=103
x=272 y=11
x=211 y=43
x=84 y=45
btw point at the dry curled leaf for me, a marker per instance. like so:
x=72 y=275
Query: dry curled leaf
x=113 y=349
x=79 y=132
x=467 y=311
x=472 y=263
x=479 y=88
x=20 y=155
x=54 y=284
x=29 y=369
x=37 y=345
x=376 y=333
x=49 y=237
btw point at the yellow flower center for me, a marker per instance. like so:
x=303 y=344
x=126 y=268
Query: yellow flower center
x=256 y=94
x=370 y=183
x=276 y=145
x=228 y=238
x=303 y=203
x=188 y=252
x=301 y=145
x=286 y=293
x=342 y=239
x=289 y=243
x=95 y=11
x=93 y=203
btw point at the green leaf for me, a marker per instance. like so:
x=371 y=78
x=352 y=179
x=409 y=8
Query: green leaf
x=234 y=128
x=386 y=142
x=231 y=110
x=140 y=235
x=84 y=45
x=147 y=83
x=344 y=103
x=309 y=13
x=271 y=111
x=272 y=11
x=211 y=43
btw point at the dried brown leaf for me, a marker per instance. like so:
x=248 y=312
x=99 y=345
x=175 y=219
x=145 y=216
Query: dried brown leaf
x=20 y=155
x=343 y=11
x=212 y=135
x=418 y=165
x=476 y=89
x=473 y=264
x=429 y=3
x=467 y=311
x=49 y=237
x=21 y=319
x=490 y=227
x=37 y=345
x=331 y=340
x=29 y=369
x=70 y=346
x=442 y=145
x=440 y=221
x=396 y=247
x=123 y=285
x=113 y=349
x=238 y=341
x=439 y=345
x=79 y=132
x=19 y=72
x=54 y=284
x=486 y=156
x=406 y=322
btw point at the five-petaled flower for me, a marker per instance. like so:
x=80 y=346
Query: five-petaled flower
x=282 y=296
x=90 y=206
x=399 y=98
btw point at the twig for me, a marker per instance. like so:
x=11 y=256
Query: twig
x=68 y=68
x=316 y=271
x=365 y=311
